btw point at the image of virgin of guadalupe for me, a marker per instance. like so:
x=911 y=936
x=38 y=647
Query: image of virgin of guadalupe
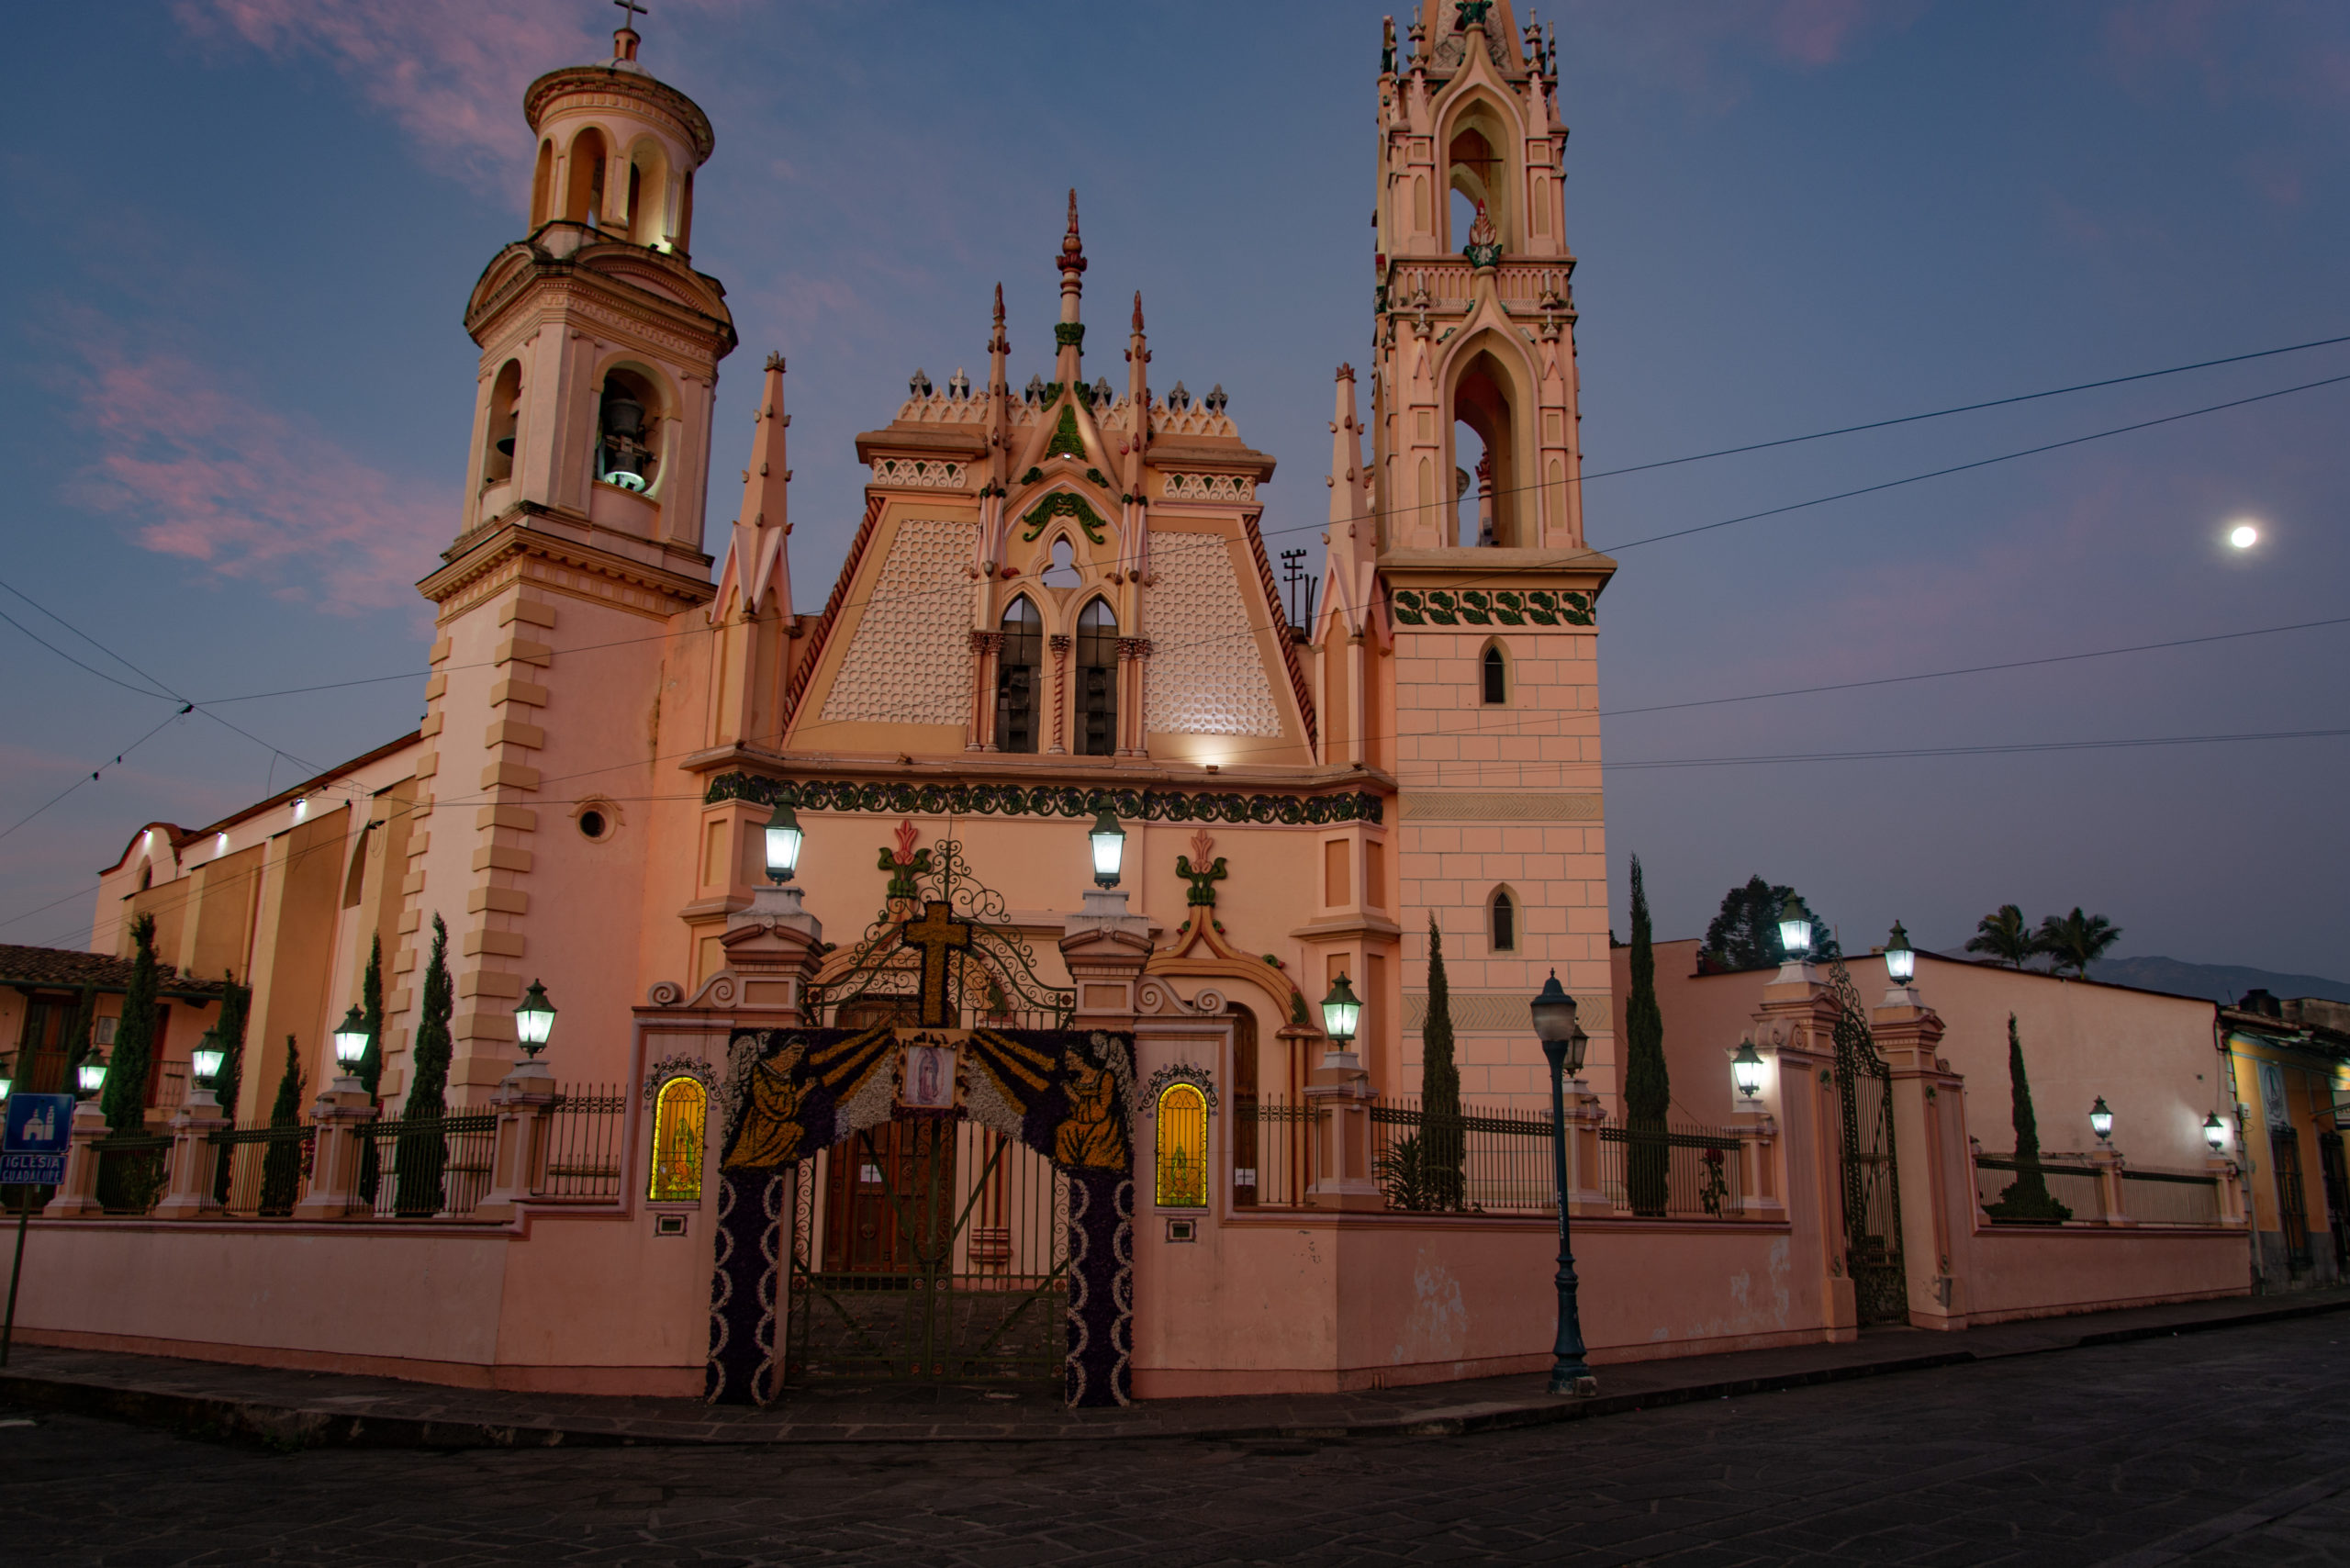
x=1090 y=1136
x=930 y=1076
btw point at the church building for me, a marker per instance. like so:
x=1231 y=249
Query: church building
x=1017 y=967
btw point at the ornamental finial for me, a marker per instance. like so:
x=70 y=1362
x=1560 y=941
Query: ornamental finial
x=1072 y=256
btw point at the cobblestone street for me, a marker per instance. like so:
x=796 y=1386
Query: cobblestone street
x=2228 y=1446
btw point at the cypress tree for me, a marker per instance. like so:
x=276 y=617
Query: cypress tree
x=1648 y=1088
x=422 y=1156
x=77 y=1039
x=371 y=1060
x=123 y=1099
x=371 y=1008
x=2027 y=1197
x=228 y=1032
x=281 y=1170
x=1445 y=1138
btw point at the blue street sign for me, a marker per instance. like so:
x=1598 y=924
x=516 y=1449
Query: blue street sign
x=38 y=1124
x=34 y=1139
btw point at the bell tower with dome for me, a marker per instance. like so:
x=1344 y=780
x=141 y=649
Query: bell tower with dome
x=580 y=539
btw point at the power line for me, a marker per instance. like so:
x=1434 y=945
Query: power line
x=93 y=775
x=2008 y=749
x=1975 y=669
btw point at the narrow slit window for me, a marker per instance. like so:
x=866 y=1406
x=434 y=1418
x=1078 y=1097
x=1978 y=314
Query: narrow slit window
x=678 y=1115
x=1097 y=680
x=1504 y=923
x=1017 y=672
x=1494 y=673
x=1182 y=1147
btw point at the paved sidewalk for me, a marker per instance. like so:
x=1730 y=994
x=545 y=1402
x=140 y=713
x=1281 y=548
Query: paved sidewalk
x=326 y=1409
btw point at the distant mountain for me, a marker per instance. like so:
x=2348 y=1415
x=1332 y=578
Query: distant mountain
x=2221 y=983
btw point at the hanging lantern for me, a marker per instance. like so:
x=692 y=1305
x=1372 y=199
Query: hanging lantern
x=1109 y=849
x=1795 y=929
x=1341 y=1010
x=1746 y=1069
x=349 y=1039
x=783 y=843
x=533 y=1019
x=1900 y=958
x=2215 y=1132
x=2100 y=1120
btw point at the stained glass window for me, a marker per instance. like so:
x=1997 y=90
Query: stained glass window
x=678 y=1112
x=1182 y=1147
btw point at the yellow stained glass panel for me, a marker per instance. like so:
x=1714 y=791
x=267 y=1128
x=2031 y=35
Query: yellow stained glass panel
x=1182 y=1147
x=678 y=1115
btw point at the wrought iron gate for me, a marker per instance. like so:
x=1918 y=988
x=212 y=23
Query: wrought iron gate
x=927 y=1249
x=1871 y=1183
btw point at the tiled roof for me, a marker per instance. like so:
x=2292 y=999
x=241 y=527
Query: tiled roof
x=68 y=966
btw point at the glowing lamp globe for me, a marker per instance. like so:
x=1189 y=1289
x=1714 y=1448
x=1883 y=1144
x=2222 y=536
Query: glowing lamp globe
x=1795 y=929
x=783 y=836
x=1341 y=1011
x=2243 y=536
x=1746 y=1069
x=6 y=1083
x=349 y=1039
x=1900 y=958
x=2215 y=1132
x=206 y=1061
x=2100 y=1120
x=1109 y=849
x=91 y=1075
x=534 y=1019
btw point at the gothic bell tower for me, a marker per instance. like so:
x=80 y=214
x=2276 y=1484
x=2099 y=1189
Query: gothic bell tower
x=1462 y=655
x=578 y=549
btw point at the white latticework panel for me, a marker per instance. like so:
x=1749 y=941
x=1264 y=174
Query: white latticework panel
x=910 y=662
x=1206 y=675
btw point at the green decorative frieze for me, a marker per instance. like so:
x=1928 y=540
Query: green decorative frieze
x=1069 y=334
x=1474 y=608
x=1043 y=801
x=1063 y=503
x=1067 y=442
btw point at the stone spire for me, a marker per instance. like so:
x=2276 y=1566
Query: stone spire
x=1139 y=397
x=1068 y=363
x=1353 y=534
x=999 y=401
x=757 y=559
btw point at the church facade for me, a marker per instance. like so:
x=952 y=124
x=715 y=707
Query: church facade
x=1103 y=1114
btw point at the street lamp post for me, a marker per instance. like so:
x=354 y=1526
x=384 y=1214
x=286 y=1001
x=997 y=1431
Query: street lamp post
x=1109 y=841
x=1563 y=1042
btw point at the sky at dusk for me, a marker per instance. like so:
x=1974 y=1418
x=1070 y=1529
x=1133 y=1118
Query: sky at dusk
x=239 y=394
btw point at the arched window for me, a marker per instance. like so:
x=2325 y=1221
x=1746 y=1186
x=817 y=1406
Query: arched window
x=1493 y=677
x=583 y=197
x=1482 y=399
x=1182 y=1147
x=648 y=193
x=1016 y=675
x=677 y=1114
x=624 y=454
x=1097 y=680
x=541 y=179
x=505 y=421
x=1475 y=171
x=1502 y=922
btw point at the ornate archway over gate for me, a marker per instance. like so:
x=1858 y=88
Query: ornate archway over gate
x=845 y=1235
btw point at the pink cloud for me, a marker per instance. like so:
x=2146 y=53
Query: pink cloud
x=251 y=493
x=2294 y=51
x=450 y=71
x=1815 y=32
x=1708 y=52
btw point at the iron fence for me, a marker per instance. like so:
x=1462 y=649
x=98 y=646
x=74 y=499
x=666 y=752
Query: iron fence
x=426 y=1167
x=1669 y=1172
x=1475 y=1160
x=2071 y=1183
x=1271 y=1153
x=2170 y=1197
x=586 y=1133
x=261 y=1170
x=131 y=1169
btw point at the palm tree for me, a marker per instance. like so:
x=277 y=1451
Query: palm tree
x=2078 y=940
x=2005 y=937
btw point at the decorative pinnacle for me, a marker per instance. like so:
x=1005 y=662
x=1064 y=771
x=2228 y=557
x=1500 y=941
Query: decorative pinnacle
x=999 y=306
x=1138 y=310
x=1345 y=372
x=775 y=362
x=1072 y=256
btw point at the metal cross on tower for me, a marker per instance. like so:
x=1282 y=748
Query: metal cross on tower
x=633 y=11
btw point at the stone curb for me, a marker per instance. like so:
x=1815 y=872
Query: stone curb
x=302 y=1427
